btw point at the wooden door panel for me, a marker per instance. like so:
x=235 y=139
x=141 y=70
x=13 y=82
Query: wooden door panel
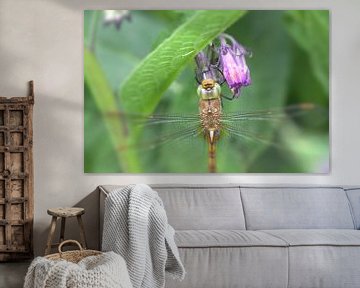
x=16 y=177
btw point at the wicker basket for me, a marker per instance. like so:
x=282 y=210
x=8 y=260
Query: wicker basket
x=72 y=256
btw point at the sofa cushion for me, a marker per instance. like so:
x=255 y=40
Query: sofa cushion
x=317 y=237
x=226 y=238
x=296 y=208
x=202 y=208
x=220 y=267
x=324 y=266
x=354 y=198
x=322 y=258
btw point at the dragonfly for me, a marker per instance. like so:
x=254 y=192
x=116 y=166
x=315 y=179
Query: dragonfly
x=210 y=124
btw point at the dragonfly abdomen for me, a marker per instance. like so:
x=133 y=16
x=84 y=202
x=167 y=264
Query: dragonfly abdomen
x=210 y=115
x=212 y=157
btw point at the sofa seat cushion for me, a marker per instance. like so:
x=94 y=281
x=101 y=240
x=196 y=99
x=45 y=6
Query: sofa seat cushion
x=317 y=237
x=322 y=258
x=226 y=238
x=231 y=258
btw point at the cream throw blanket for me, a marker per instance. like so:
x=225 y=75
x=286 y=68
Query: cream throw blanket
x=103 y=271
x=136 y=227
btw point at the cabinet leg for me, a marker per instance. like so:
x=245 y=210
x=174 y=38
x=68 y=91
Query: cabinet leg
x=62 y=230
x=51 y=235
x=82 y=232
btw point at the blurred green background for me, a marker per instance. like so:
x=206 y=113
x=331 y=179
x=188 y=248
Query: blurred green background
x=147 y=67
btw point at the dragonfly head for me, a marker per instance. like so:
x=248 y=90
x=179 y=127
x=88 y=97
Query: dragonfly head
x=208 y=84
x=209 y=89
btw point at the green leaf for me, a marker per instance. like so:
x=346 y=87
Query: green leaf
x=143 y=89
x=310 y=30
x=104 y=98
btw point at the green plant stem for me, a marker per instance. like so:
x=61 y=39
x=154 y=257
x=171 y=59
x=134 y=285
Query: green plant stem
x=93 y=30
x=106 y=103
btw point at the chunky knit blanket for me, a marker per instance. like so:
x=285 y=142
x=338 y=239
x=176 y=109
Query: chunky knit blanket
x=102 y=271
x=136 y=227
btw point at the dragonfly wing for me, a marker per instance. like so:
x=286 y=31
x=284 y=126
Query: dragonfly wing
x=164 y=142
x=152 y=138
x=270 y=115
x=155 y=130
x=258 y=126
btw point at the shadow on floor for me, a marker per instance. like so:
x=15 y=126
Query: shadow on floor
x=12 y=275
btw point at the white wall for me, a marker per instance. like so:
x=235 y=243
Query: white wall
x=43 y=40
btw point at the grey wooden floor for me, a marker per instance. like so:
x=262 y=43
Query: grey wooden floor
x=12 y=274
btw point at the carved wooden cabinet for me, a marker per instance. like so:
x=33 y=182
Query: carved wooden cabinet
x=16 y=177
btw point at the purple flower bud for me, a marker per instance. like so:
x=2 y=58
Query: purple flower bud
x=233 y=64
x=205 y=69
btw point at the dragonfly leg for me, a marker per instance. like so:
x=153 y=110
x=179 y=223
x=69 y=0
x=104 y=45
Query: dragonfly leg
x=227 y=97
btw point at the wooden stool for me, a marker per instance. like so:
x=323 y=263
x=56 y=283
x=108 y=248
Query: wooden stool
x=64 y=213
